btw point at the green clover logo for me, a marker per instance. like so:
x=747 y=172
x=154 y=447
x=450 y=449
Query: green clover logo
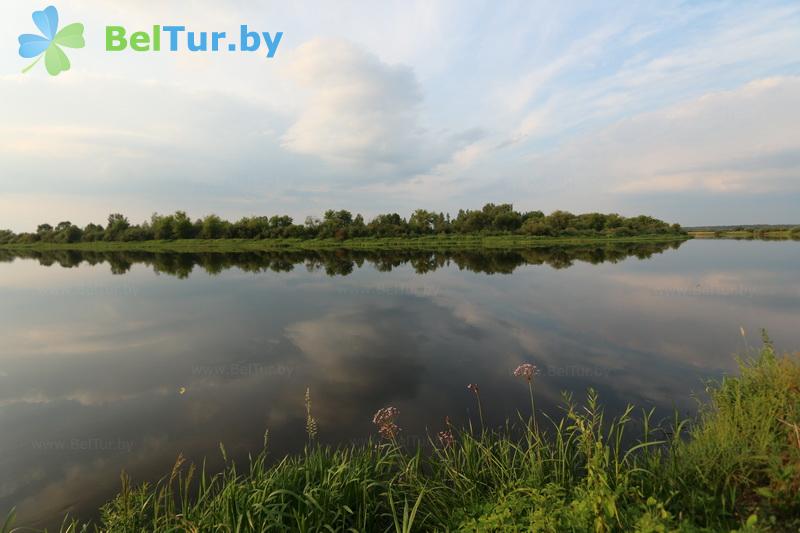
x=50 y=42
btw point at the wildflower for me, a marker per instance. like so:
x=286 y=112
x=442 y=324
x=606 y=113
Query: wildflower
x=527 y=371
x=473 y=388
x=384 y=415
x=384 y=419
x=446 y=438
x=389 y=430
x=741 y=330
x=182 y=391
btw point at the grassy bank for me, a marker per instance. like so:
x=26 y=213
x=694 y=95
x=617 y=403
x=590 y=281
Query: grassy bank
x=437 y=242
x=735 y=467
x=781 y=234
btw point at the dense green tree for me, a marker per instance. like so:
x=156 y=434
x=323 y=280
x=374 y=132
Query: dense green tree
x=250 y=228
x=491 y=219
x=183 y=227
x=537 y=227
x=389 y=225
x=117 y=224
x=280 y=226
x=93 y=232
x=163 y=227
x=507 y=221
x=335 y=224
x=67 y=232
x=422 y=222
x=213 y=227
x=560 y=220
x=138 y=233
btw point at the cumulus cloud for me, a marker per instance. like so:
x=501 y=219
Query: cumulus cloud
x=360 y=113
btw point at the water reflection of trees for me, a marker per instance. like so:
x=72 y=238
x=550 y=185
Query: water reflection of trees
x=342 y=262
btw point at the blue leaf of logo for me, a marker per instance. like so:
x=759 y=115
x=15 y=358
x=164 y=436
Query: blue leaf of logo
x=32 y=45
x=47 y=21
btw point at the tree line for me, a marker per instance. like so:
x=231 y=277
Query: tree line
x=492 y=219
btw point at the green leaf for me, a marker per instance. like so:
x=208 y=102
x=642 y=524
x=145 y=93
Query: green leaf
x=56 y=60
x=71 y=36
x=766 y=492
x=9 y=521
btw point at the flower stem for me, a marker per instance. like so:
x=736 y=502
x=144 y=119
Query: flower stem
x=533 y=407
x=25 y=71
x=480 y=409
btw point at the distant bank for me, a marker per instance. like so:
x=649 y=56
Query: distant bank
x=761 y=231
x=426 y=243
x=492 y=225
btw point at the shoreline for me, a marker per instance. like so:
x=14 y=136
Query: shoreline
x=757 y=235
x=431 y=243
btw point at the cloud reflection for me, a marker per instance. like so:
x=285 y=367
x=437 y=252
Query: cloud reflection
x=106 y=367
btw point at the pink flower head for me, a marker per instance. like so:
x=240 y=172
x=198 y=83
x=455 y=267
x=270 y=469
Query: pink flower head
x=386 y=414
x=384 y=419
x=446 y=438
x=389 y=430
x=527 y=371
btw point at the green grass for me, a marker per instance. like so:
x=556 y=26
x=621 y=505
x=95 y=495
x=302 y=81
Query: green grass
x=736 y=466
x=434 y=242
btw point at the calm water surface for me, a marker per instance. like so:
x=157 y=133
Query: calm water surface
x=122 y=361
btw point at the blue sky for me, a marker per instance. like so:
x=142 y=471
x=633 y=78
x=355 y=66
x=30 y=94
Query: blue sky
x=689 y=111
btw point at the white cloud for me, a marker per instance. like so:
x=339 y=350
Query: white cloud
x=360 y=113
x=362 y=107
x=740 y=140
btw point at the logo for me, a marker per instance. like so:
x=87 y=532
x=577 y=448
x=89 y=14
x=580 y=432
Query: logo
x=177 y=38
x=50 y=42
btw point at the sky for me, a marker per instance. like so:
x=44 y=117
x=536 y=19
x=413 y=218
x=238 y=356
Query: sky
x=687 y=111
